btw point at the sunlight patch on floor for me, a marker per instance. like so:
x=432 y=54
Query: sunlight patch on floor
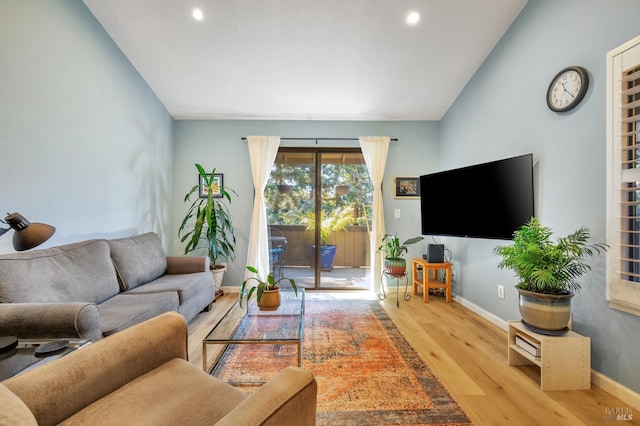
x=340 y=295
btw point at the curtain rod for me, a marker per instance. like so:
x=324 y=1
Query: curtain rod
x=323 y=139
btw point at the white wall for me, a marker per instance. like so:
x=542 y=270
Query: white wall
x=502 y=112
x=85 y=144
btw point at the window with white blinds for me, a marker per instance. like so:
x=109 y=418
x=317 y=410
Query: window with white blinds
x=623 y=177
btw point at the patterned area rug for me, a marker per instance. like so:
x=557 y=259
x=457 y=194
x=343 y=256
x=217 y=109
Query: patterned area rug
x=367 y=372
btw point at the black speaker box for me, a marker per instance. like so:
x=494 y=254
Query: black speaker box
x=435 y=253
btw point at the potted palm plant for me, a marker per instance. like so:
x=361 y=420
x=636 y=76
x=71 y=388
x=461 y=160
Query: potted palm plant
x=208 y=220
x=394 y=263
x=547 y=272
x=336 y=221
x=268 y=292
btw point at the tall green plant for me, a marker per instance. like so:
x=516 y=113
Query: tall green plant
x=208 y=219
x=545 y=266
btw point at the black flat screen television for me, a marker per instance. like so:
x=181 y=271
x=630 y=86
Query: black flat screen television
x=489 y=200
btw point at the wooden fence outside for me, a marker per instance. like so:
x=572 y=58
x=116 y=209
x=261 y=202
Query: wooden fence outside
x=352 y=246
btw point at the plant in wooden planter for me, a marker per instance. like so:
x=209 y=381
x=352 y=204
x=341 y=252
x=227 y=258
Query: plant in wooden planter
x=394 y=263
x=268 y=292
x=548 y=272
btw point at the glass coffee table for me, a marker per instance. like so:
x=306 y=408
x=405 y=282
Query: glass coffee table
x=250 y=325
x=27 y=355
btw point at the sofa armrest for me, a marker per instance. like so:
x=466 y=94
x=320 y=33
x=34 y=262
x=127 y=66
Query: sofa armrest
x=187 y=264
x=88 y=374
x=50 y=320
x=288 y=398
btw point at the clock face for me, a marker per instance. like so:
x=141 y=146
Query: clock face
x=567 y=89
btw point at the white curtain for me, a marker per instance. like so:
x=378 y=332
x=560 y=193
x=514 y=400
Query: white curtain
x=262 y=153
x=374 y=150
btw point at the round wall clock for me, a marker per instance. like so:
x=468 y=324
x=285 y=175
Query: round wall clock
x=567 y=89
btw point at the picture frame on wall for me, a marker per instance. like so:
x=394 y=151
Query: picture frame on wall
x=216 y=184
x=407 y=187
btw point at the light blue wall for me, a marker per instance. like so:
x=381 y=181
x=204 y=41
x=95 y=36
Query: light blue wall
x=218 y=144
x=502 y=113
x=85 y=145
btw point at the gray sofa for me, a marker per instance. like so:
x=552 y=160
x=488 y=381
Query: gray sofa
x=95 y=288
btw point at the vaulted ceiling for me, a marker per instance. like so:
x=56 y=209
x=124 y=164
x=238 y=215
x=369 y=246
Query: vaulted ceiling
x=306 y=59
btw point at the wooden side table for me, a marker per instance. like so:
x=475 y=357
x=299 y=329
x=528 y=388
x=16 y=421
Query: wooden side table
x=427 y=282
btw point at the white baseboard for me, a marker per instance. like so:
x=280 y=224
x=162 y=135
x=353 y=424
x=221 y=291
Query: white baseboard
x=616 y=389
x=495 y=320
x=598 y=379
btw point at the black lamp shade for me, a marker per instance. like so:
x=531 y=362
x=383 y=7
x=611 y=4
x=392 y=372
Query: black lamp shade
x=28 y=235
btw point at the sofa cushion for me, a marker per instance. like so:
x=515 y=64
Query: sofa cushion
x=195 y=291
x=188 y=286
x=78 y=272
x=125 y=310
x=138 y=259
x=196 y=399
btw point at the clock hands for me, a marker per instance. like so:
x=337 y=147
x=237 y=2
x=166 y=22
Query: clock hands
x=565 y=89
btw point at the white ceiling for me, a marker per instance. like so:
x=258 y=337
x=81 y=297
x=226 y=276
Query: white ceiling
x=306 y=59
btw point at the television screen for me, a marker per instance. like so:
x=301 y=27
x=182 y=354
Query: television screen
x=489 y=200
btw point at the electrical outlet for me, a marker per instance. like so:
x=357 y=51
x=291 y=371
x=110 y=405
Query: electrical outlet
x=500 y=291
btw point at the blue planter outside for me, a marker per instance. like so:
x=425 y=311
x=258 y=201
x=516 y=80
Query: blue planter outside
x=327 y=254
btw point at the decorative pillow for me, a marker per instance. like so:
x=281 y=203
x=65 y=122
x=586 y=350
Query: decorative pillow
x=138 y=259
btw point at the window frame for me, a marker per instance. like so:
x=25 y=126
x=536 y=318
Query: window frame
x=622 y=294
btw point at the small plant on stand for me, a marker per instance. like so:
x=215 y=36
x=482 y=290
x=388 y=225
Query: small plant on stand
x=394 y=263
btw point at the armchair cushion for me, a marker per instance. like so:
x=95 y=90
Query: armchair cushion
x=177 y=407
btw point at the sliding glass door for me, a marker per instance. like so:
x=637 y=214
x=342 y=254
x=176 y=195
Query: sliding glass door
x=319 y=215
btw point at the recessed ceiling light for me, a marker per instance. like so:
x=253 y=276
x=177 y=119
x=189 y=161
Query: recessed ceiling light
x=413 y=18
x=197 y=14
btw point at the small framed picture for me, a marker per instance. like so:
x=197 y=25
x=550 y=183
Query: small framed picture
x=407 y=187
x=216 y=184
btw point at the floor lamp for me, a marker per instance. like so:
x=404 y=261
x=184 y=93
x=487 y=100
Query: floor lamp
x=27 y=235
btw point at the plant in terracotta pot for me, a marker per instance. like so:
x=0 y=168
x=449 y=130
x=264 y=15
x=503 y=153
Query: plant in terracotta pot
x=208 y=221
x=394 y=263
x=548 y=272
x=268 y=292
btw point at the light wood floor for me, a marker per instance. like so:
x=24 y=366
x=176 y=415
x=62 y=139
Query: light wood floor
x=468 y=355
